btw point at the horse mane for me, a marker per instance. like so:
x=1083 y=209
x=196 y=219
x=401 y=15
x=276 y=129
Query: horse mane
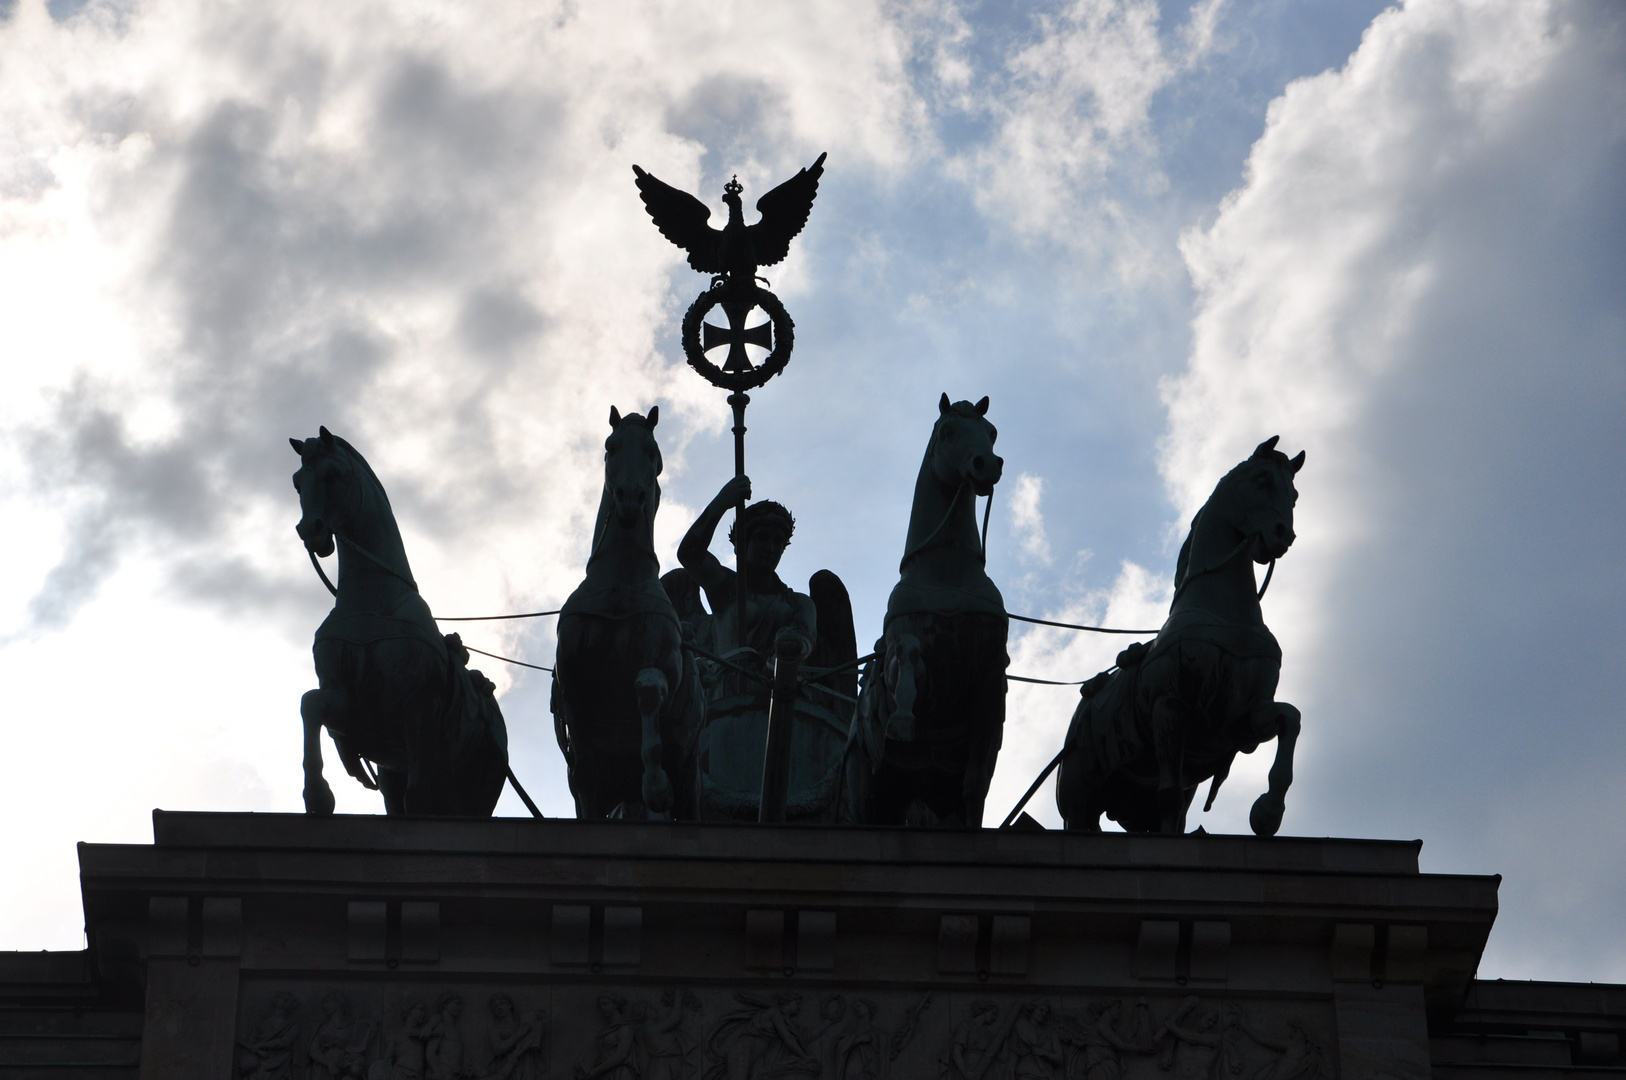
x=354 y=457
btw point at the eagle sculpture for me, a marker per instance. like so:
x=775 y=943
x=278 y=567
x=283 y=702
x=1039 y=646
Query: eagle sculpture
x=733 y=252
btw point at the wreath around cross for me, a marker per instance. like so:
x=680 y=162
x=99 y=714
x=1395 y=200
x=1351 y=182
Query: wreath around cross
x=784 y=339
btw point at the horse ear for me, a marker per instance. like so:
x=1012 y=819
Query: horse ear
x=615 y=416
x=982 y=406
x=654 y=416
x=1267 y=446
x=943 y=406
x=299 y=447
x=327 y=436
x=1297 y=462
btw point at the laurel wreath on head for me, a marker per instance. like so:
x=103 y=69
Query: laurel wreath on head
x=784 y=339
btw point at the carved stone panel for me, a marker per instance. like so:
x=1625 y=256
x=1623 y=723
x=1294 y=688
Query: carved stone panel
x=422 y=1030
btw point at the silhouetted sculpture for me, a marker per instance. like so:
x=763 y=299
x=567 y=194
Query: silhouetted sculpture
x=626 y=701
x=393 y=690
x=1177 y=711
x=932 y=711
x=817 y=626
x=733 y=253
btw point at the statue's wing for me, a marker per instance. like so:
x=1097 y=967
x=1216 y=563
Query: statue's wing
x=784 y=212
x=837 y=644
x=682 y=218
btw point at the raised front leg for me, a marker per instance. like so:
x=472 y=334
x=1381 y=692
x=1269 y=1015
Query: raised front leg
x=902 y=672
x=1169 y=743
x=318 y=796
x=656 y=789
x=1281 y=720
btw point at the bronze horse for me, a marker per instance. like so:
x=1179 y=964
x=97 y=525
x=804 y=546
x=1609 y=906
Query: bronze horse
x=627 y=708
x=392 y=689
x=931 y=713
x=1177 y=711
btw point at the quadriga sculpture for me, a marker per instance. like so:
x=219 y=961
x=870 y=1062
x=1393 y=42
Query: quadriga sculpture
x=931 y=712
x=626 y=701
x=1176 y=711
x=392 y=689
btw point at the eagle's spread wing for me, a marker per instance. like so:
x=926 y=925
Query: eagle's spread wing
x=682 y=218
x=784 y=212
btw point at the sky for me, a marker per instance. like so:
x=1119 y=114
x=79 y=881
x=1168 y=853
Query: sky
x=1154 y=234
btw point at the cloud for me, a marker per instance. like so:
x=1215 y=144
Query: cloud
x=1028 y=519
x=413 y=226
x=1410 y=285
x=1074 y=155
x=222 y=225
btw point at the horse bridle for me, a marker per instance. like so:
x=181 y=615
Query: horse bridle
x=986 y=511
x=1241 y=546
x=361 y=495
x=364 y=553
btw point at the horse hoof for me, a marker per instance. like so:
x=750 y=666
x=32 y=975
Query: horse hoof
x=319 y=801
x=1266 y=815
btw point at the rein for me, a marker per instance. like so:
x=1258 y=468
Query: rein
x=926 y=543
x=1241 y=546
x=364 y=553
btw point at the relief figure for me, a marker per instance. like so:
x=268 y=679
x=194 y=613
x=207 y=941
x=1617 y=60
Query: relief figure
x=338 y=1050
x=269 y=1053
x=762 y=1041
x=615 y=1047
x=1034 y=1044
x=1191 y=1052
x=977 y=1045
x=516 y=1044
x=1102 y=1043
x=444 y=1048
x=667 y=1051
x=405 y=1051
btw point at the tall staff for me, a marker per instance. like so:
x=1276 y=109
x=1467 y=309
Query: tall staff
x=732 y=255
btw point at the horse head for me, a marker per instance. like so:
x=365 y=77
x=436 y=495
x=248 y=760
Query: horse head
x=1260 y=498
x=632 y=462
x=962 y=448
x=329 y=490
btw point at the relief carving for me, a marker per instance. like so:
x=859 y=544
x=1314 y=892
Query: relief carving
x=644 y=1041
x=516 y=1043
x=669 y=1051
x=338 y=1050
x=443 y=1056
x=406 y=1050
x=329 y=1033
x=765 y=1039
x=1034 y=1041
x=268 y=1054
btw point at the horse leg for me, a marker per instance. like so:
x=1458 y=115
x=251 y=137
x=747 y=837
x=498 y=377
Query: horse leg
x=987 y=709
x=1168 y=742
x=392 y=785
x=1283 y=719
x=318 y=795
x=651 y=688
x=902 y=664
x=1079 y=795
